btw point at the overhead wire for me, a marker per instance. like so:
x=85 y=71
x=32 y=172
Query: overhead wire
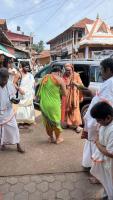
x=50 y=16
x=87 y=7
x=93 y=8
x=25 y=10
x=35 y=11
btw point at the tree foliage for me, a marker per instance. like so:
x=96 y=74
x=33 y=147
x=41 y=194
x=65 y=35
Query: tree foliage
x=39 y=46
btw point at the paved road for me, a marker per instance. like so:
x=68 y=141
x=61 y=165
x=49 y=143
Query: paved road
x=40 y=156
x=65 y=186
x=45 y=172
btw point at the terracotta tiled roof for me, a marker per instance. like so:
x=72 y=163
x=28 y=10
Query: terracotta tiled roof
x=17 y=37
x=100 y=33
x=44 y=54
x=79 y=24
x=2 y=21
x=82 y=23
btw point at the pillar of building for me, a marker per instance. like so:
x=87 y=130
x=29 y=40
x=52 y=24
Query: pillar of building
x=76 y=37
x=86 y=52
x=73 y=43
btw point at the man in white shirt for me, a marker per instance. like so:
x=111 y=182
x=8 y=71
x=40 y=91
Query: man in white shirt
x=9 y=132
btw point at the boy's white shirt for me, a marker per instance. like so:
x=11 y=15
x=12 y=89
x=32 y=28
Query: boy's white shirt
x=104 y=94
x=106 y=139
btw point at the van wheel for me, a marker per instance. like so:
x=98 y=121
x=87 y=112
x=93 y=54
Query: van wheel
x=84 y=110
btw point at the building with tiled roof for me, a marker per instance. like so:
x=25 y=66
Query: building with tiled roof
x=20 y=40
x=98 y=37
x=44 y=57
x=15 y=43
x=65 y=43
x=82 y=23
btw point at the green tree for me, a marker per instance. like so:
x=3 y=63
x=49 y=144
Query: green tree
x=38 y=47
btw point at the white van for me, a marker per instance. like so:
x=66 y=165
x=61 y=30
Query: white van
x=89 y=71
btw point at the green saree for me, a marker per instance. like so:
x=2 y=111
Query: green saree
x=50 y=100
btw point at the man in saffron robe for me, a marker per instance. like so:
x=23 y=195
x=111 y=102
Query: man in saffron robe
x=71 y=116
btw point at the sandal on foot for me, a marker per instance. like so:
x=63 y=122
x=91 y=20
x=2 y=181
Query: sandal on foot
x=20 y=150
x=78 y=129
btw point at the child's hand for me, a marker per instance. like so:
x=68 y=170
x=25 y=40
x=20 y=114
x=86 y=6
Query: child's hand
x=84 y=135
x=97 y=140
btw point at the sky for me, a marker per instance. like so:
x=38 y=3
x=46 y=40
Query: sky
x=45 y=19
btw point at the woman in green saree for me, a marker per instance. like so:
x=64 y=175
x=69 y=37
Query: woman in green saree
x=51 y=89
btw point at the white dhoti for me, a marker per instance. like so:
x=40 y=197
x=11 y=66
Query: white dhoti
x=25 y=114
x=89 y=148
x=104 y=175
x=25 y=111
x=102 y=166
x=91 y=126
x=9 y=132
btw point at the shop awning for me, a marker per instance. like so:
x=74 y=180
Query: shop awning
x=5 y=52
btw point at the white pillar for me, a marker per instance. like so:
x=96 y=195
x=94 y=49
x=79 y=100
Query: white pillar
x=73 y=35
x=86 y=52
x=76 y=41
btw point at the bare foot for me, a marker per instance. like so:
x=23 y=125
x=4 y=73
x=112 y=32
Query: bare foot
x=59 y=140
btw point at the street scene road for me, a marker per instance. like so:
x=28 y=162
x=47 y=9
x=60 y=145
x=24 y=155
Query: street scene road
x=46 y=171
x=56 y=100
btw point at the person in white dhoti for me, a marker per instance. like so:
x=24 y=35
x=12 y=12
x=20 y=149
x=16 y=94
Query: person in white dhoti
x=9 y=133
x=102 y=158
x=90 y=124
x=25 y=111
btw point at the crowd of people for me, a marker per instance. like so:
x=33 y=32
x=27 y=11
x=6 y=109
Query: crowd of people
x=60 y=95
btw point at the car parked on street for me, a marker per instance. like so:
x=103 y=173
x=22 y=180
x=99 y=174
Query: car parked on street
x=89 y=71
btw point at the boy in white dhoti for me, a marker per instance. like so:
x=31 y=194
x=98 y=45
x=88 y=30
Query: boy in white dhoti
x=105 y=93
x=102 y=165
x=9 y=132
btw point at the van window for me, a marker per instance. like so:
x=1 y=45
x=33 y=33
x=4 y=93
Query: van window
x=83 y=70
x=44 y=72
x=57 y=65
x=95 y=74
